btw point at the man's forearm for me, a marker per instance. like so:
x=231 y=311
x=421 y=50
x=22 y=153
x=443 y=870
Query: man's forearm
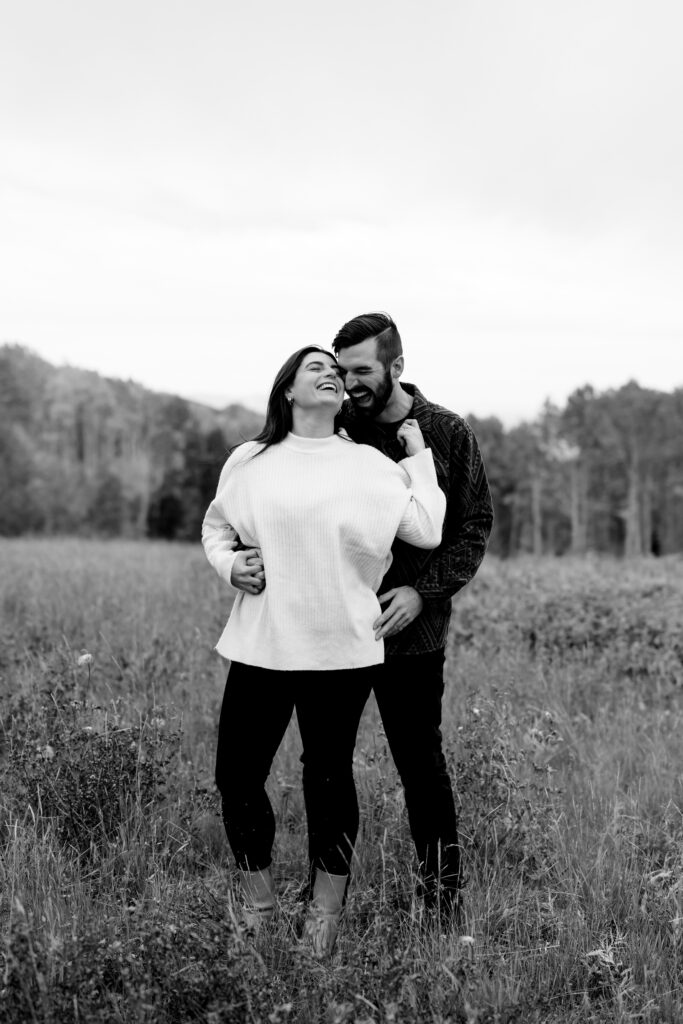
x=453 y=565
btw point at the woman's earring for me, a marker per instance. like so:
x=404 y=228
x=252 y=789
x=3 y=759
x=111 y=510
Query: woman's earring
x=290 y=399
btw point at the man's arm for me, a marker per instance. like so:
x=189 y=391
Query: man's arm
x=469 y=518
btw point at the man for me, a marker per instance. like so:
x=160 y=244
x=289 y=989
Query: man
x=416 y=592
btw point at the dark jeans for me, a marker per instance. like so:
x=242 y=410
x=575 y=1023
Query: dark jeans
x=257 y=707
x=409 y=700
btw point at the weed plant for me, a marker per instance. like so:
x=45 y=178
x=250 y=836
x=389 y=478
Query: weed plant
x=562 y=724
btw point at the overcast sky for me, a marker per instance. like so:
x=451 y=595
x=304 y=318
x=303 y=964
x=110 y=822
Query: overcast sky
x=191 y=190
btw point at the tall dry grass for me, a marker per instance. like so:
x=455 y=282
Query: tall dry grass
x=562 y=722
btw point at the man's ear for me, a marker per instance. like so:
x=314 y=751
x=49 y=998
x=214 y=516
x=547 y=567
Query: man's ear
x=397 y=367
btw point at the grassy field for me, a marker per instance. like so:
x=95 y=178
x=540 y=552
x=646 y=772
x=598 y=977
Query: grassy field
x=563 y=724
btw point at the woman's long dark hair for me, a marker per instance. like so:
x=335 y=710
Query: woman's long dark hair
x=279 y=412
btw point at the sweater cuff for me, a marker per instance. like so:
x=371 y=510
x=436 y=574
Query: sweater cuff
x=420 y=466
x=223 y=562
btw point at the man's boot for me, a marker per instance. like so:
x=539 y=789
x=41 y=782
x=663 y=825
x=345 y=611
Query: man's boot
x=441 y=889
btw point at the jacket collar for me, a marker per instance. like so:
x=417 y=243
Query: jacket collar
x=421 y=410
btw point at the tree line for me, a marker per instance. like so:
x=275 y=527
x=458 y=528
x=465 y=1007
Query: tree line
x=80 y=453
x=602 y=474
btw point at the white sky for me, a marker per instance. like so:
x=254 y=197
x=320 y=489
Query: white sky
x=191 y=190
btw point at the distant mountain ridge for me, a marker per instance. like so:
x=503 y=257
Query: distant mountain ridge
x=80 y=452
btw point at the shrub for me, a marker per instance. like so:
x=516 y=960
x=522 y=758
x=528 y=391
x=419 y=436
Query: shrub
x=504 y=792
x=88 y=777
x=633 y=622
x=161 y=968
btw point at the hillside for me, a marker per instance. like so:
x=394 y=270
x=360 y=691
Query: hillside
x=84 y=453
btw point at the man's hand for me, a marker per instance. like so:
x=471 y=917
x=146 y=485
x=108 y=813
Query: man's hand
x=405 y=605
x=247 y=571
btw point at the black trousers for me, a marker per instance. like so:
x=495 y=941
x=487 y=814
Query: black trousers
x=409 y=699
x=257 y=706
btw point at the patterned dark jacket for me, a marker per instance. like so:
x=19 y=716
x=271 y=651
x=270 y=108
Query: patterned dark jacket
x=436 y=575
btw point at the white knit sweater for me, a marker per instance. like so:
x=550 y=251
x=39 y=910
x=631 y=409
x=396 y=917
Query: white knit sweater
x=324 y=513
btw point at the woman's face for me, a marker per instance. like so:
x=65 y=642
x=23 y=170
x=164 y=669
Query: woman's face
x=319 y=383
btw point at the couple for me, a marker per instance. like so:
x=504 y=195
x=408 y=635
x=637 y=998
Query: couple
x=302 y=528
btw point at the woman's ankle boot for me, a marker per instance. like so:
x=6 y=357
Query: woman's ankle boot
x=258 y=891
x=324 y=912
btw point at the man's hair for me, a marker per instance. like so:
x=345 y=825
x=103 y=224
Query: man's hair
x=371 y=325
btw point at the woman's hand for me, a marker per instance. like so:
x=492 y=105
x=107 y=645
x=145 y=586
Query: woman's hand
x=247 y=571
x=410 y=436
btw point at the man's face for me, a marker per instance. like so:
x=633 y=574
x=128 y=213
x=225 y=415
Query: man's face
x=369 y=382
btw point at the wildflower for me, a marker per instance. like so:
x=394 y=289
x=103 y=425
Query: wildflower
x=47 y=752
x=85 y=659
x=466 y=940
x=603 y=956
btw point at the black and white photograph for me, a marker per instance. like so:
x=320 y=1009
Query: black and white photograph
x=341 y=512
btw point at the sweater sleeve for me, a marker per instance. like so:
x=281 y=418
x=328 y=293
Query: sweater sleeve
x=422 y=521
x=219 y=538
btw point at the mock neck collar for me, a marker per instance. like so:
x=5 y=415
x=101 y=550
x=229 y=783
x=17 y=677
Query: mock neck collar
x=310 y=445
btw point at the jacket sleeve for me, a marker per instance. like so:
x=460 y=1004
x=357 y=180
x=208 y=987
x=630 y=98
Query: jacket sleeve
x=422 y=521
x=220 y=540
x=469 y=518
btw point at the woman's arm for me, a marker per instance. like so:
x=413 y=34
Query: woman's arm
x=242 y=569
x=220 y=540
x=422 y=521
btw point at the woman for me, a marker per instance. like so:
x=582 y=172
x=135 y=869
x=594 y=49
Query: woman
x=324 y=512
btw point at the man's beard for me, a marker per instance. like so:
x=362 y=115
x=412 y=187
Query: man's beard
x=376 y=401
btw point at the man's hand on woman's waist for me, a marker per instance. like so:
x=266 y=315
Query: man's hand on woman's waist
x=247 y=571
x=405 y=604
